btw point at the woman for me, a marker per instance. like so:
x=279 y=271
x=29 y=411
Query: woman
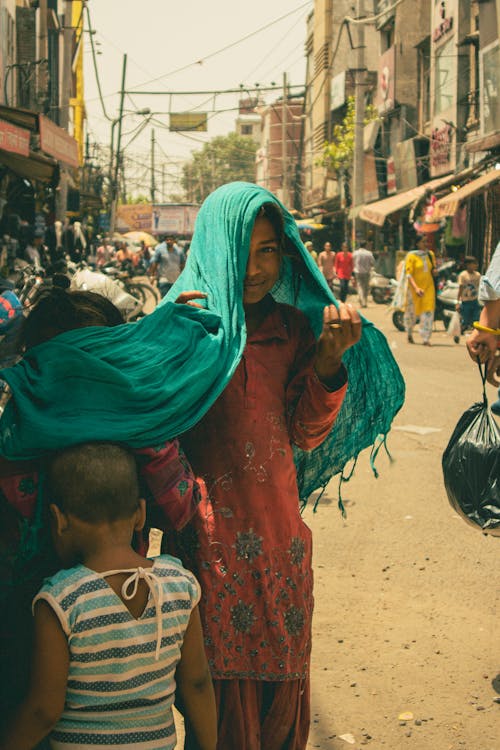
x=420 y=266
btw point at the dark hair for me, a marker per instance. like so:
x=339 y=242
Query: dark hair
x=96 y=482
x=470 y=259
x=59 y=310
x=272 y=212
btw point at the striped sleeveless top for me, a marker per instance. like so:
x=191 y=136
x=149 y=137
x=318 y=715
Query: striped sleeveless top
x=121 y=684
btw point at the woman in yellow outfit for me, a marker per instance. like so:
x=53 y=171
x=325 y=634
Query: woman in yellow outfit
x=420 y=266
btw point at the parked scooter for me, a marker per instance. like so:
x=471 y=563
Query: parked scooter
x=382 y=288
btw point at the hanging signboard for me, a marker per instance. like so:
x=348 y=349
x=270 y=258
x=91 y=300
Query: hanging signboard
x=337 y=91
x=56 y=142
x=134 y=217
x=174 y=218
x=14 y=139
x=194 y=121
x=385 y=99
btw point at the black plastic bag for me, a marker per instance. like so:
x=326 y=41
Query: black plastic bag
x=471 y=468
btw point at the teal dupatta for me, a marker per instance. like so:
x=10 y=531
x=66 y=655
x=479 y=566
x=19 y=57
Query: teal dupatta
x=143 y=383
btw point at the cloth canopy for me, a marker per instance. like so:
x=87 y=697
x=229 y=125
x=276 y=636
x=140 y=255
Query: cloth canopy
x=449 y=205
x=145 y=382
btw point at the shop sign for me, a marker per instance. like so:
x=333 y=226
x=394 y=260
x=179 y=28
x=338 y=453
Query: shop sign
x=441 y=149
x=172 y=218
x=443 y=20
x=371 y=190
x=56 y=142
x=385 y=99
x=14 y=139
x=190 y=121
x=391 y=176
x=406 y=165
x=337 y=91
x=135 y=217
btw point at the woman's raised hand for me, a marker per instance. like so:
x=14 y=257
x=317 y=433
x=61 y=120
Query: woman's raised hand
x=341 y=330
x=187 y=298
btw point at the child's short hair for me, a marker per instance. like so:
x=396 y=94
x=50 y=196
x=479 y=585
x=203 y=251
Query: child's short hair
x=96 y=482
x=470 y=259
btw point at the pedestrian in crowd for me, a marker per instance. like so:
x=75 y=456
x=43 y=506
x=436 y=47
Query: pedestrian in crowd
x=484 y=341
x=103 y=253
x=344 y=266
x=75 y=241
x=115 y=633
x=364 y=263
x=420 y=265
x=252 y=551
x=166 y=481
x=326 y=263
x=310 y=249
x=468 y=290
x=167 y=264
x=35 y=250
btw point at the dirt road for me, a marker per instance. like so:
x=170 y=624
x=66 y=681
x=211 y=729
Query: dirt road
x=407 y=593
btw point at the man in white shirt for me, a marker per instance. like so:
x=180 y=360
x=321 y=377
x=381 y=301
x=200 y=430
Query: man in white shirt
x=364 y=262
x=168 y=262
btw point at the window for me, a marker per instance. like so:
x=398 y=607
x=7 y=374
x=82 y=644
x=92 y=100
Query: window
x=424 y=84
x=247 y=130
x=444 y=80
x=490 y=78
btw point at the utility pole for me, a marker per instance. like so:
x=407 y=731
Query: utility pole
x=114 y=183
x=61 y=201
x=284 y=163
x=359 y=106
x=153 y=187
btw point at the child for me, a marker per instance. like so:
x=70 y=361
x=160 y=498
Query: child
x=116 y=632
x=468 y=290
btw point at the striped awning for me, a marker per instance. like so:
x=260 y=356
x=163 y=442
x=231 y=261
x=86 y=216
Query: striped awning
x=448 y=205
x=377 y=212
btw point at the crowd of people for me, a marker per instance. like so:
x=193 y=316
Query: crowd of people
x=211 y=419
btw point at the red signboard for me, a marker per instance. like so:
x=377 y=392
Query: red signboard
x=57 y=142
x=14 y=139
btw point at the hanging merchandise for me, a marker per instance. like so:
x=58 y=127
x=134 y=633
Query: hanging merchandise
x=471 y=467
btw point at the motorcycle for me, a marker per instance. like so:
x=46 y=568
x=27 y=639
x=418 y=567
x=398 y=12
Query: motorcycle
x=382 y=288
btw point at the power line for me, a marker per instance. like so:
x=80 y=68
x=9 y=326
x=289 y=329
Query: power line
x=229 y=46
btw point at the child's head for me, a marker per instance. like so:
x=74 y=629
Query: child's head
x=471 y=263
x=92 y=484
x=59 y=310
x=265 y=254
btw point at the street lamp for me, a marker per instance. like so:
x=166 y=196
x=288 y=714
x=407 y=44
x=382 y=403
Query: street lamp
x=113 y=173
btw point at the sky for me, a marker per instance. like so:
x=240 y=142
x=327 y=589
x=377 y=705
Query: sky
x=186 y=45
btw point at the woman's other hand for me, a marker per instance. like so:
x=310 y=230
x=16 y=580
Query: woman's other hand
x=341 y=330
x=493 y=372
x=187 y=298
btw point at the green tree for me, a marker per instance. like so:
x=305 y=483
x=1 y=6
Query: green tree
x=338 y=154
x=223 y=159
x=133 y=199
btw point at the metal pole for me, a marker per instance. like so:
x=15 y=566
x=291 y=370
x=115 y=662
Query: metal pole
x=359 y=105
x=153 y=187
x=114 y=182
x=284 y=180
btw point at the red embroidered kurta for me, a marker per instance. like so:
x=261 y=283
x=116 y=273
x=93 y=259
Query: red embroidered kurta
x=247 y=542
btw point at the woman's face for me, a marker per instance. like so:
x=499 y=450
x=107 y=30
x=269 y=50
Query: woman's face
x=263 y=266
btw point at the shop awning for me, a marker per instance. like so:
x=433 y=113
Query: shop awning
x=448 y=205
x=34 y=167
x=377 y=212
